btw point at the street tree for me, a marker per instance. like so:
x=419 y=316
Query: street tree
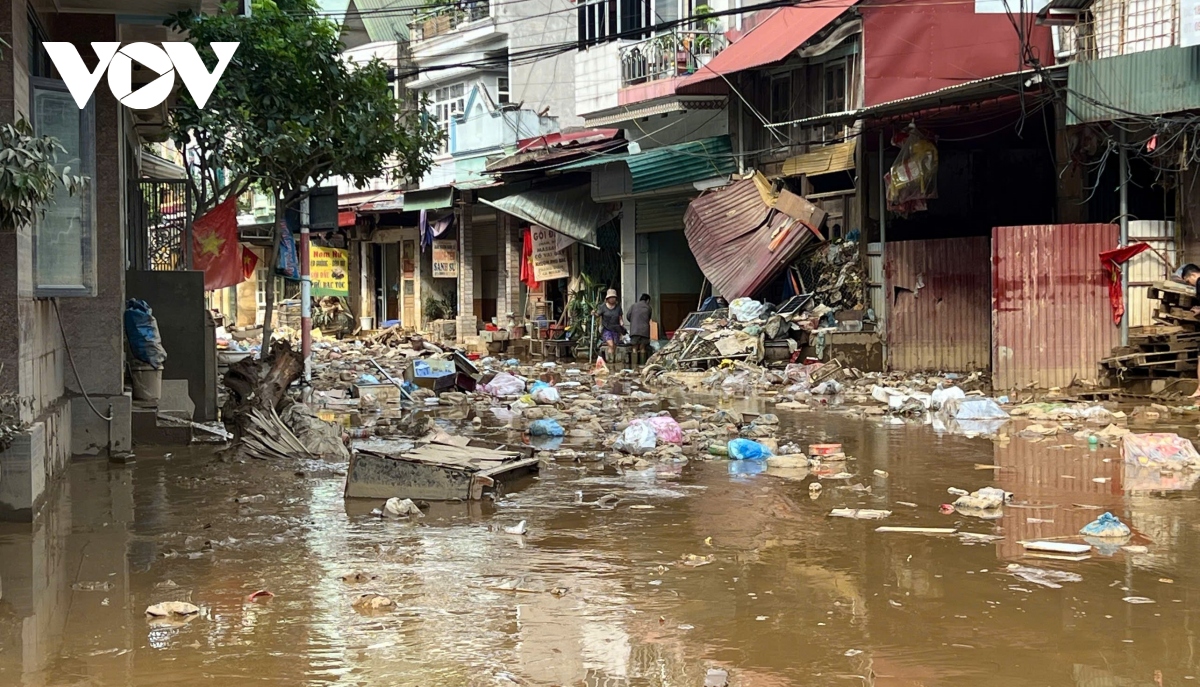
x=290 y=112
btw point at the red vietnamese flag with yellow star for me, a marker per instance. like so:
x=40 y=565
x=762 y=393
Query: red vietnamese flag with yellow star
x=215 y=247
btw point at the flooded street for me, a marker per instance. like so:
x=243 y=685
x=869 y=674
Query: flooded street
x=592 y=596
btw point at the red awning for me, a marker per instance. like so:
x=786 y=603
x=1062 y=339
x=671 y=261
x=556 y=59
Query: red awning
x=784 y=31
x=347 y=218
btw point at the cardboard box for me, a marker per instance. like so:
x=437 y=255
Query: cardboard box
x=492 y=337
x=382 y=392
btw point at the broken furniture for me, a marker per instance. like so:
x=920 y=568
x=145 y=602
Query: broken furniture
x=437 y=471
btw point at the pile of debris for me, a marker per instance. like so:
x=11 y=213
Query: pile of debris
x=841 y=282
x=1169 y=349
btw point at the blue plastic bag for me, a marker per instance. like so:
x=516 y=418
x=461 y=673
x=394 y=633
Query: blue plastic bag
x=141 y=329
x=1107 y=526
x=745 y=449
x=368 y=379
x=546 y=428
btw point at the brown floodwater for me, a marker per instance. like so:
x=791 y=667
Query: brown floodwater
x=599 y=597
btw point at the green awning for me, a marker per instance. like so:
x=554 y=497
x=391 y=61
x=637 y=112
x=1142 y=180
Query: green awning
x=672 y=165
x=568 y=211
x=429 y=199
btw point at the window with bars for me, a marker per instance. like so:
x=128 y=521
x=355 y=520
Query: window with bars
x=604 y=20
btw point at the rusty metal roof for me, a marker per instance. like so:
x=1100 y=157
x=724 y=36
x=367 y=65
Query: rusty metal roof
x=730 y=232
x=671 y=165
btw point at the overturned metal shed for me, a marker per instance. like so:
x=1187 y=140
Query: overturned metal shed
x=743 y=235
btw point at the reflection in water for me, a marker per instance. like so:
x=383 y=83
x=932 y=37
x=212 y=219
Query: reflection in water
x=599 y=597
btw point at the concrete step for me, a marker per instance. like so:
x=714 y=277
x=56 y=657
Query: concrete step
x=148 y=431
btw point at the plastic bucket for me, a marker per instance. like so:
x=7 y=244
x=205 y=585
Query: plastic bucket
x=366 y=323
x=147 y=382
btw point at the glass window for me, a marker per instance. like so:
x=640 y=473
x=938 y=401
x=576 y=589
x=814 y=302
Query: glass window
x=64 y=238
x=835 y=87
x=502 y=94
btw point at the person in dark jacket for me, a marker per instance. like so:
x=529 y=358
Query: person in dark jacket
x=639 y=327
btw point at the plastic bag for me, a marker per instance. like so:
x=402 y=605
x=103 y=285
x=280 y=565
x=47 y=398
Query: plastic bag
x=829 y=387
x=746 y=309
x=913 y=177
x=367 y=379
x=1169 y=451
x=973 y=409
x=601 y=367
x=737 y=384
x=667 y=429
x=544 y=394
x=988 y=498
x=546 y=428
x=1107 y=526
x=939 y=396
x=639 y=437
x=745 y=449
x=141 y=329
x=504 y=384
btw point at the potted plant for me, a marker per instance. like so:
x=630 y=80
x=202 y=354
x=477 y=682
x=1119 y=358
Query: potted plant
x=707 y=28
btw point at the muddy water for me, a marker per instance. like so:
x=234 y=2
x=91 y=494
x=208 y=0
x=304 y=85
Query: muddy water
x=598 y=597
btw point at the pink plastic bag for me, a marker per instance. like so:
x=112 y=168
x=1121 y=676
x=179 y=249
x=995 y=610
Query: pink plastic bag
x=1169 y=451
x=667 y=429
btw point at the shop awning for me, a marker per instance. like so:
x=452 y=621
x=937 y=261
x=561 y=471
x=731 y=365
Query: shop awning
x=834 y=158
x=784 y=31
x=631 y=112
x=672 y=165
x=568 y=211
x=429 y=199
x=742 y=235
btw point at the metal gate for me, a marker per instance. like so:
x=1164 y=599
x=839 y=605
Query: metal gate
x=160 y=218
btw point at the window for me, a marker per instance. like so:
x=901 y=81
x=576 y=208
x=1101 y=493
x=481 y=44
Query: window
x=64 y=238
x=602 y=20
x=781 y=98
x=39 y=59
x=835 y=87
x=444 y=103
x=502 y=95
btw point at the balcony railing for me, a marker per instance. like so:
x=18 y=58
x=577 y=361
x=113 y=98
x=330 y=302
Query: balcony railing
x=446 y=19
x=669 y=55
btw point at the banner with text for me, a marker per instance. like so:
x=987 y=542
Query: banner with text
x=330 y=271
x=548 y=261
x=445 y=259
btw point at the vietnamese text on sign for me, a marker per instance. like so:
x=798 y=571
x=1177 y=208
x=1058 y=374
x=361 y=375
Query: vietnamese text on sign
x=548 y=261
x=445 y=259
x=329 y=269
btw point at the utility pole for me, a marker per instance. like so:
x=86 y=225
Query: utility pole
x=305 y=293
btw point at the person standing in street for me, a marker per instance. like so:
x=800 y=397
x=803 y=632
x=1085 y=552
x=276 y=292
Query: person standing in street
x=639 y=328
x=612 y=327
x=1191 y=276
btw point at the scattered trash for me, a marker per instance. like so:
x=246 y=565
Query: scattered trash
x=918 y=530
x=1138 y=600
x=546 y=428
x=1168 y=451
x=402 y=508
x=370 y=601
x=638 y=438
x=167 y=609
x=1107 y=526
x=983 y=503
x=1056 y=546
x=691 y=560
x=745 y=449
x=860 y=513
x=517 y=529
x=1043 y=576
x=260 y=594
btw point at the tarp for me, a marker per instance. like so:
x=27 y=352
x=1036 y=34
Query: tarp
x=569 y=211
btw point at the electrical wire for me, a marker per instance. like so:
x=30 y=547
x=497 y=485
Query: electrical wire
x=75 y=370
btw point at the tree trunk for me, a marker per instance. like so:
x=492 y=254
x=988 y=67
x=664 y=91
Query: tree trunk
x=280 y=227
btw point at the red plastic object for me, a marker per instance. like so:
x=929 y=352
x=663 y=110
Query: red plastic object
x=824 y=449
x=946 y=509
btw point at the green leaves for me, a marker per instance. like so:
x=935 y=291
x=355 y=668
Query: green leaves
x=290 y=110
x=29 y=177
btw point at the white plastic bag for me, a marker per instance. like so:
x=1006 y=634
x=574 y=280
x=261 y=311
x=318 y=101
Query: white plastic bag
x=940 y=396
x=973 y=409
x=746 y=309
x=639 y=438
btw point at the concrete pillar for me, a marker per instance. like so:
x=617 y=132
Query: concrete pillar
x=509 y=260
x=468 y=324
x=628 y=253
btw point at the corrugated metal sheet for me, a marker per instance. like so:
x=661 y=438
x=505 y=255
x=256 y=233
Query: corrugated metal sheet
x=1152 y=82
x=730 y=231
x=632 y=112
x=835 y=158
x=910 y=48
x=1148 y=267
x=672 y=165
x=1051 y=319
x=429 y=198
x=662 y=214
x=773 y=39
x=569 y=211
x=939 y=310
x=875 y=280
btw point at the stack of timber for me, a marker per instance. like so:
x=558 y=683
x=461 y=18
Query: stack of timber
x=1169 y=349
